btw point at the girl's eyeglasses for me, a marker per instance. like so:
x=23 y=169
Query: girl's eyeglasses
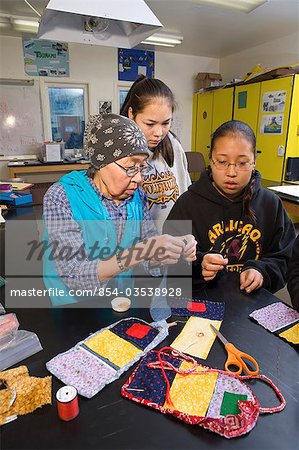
x=224 y=165
x=132 y=171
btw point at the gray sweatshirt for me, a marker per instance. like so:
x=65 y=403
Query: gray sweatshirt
x=164 y=184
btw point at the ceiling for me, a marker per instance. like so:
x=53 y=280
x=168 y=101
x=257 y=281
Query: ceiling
x=207 y=30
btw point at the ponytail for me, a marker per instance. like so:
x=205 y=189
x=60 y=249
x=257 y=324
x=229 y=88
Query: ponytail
x=247 y=197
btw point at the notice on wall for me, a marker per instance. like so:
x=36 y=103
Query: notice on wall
x=274 y=101
x=105 y=106
x=132 y=63
x=46 y=58
x=272 y=124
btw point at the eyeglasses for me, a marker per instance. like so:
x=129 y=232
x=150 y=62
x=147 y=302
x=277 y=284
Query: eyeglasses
x=132 y=171
x=224 y=165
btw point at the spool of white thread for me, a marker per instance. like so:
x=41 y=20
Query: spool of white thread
x=120 y=304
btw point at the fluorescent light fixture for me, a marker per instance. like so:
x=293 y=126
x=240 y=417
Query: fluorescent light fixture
x=17 y=82
x=25 y=25
x=114 y=23
x=157 y=43
x=164 y=40
x=242 y=5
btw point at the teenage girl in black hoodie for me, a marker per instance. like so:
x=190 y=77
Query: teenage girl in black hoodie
x=239 y=226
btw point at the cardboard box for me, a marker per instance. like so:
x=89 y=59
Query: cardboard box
x=206 y=79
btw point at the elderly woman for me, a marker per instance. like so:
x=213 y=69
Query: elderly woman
x=97 y=221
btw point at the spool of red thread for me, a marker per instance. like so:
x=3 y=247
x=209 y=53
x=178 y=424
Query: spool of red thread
x=67 y=403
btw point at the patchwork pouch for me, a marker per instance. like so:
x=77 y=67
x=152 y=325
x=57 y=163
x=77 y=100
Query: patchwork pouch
x=176 y=384
x=105 y=355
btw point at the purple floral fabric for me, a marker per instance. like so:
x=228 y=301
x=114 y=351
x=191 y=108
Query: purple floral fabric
x=81 y=369
x=226 y=383
x=275 y=316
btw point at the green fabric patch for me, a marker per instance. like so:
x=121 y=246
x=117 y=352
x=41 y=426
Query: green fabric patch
x=229 y=405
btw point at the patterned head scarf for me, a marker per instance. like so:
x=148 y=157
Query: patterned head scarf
x=109 y=137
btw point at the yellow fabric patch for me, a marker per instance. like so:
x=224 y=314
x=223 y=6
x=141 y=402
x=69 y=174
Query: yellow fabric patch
x=24 y=394
x=292 y=334
x=192 y=393
x=197 y=332
x=113 y=348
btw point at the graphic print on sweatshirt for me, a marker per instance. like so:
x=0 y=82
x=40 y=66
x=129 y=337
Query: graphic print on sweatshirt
x=161 y=188
x=237 y=241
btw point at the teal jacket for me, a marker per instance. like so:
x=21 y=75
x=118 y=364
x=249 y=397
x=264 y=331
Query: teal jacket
x=96 y=227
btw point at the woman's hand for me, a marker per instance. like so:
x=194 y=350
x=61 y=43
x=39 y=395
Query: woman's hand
x=250 y=280
x=189 y=250
x=164 y=249
x=211 y=264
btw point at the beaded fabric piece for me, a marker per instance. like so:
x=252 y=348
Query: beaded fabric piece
x=103 y=356
x=228 y=407
x=196 y=307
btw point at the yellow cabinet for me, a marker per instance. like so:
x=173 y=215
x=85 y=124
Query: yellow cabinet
x=222 y=107
x=210 y=109
x=273 y=127
x=270 y=107
x=246 y=104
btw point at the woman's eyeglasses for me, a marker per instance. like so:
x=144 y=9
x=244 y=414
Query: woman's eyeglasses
x=224 y=165
x=132 y=171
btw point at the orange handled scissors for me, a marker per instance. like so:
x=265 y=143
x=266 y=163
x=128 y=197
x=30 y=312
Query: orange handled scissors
x=236 y=358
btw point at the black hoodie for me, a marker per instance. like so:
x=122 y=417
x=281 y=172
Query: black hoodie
x=219 y=225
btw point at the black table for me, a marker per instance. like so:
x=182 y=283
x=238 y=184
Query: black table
x=108 y=421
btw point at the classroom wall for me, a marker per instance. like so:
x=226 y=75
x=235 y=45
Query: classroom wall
x=97 y=66
x=276 y=53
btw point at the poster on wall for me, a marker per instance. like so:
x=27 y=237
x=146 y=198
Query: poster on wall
x=132 y=63
x=272 y=124
x=46 y=58
x=274 y=101
x=105 y=106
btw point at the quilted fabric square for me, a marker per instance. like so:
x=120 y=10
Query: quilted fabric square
x=123 y=326
x=113 y=348
x=228 y=384
x=197 y=337
x=192 y=394
x=229 y=404
x=275 y=316
x=150 y=384
x=80 y=368
x=197 y=307
x=138 y=330
x=291 y=334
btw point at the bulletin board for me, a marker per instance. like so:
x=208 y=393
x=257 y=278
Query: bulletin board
x=132 y=63
x=20 y=119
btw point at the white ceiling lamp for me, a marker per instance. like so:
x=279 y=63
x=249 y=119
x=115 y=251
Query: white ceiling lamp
x=164 y=40
x=26 y=25
x=242 y=5
x=114 y=23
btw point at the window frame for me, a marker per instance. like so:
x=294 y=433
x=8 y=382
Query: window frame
x=120 y=86
x=45 y=103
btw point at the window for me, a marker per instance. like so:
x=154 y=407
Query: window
x=121 y=90
x=65 y=112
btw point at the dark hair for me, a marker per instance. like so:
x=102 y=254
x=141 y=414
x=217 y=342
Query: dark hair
x=91 y=172
x=141 y=94
x=232 y=128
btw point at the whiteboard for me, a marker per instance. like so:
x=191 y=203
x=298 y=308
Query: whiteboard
x=20 y=120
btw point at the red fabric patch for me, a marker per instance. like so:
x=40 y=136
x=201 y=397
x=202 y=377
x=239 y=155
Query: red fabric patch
x=138 y=330
x=196 y=307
